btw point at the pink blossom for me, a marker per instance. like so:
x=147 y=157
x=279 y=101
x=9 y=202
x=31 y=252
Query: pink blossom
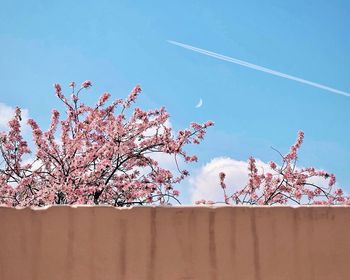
x=176 y=193
x=208 y=123
x=331 y=180
x=86 y=84
x=273 y=165
x=287 y=185
x=57 y=88
x=97 y=156
x=338 y=192
x=222 y=176
x=102 y=100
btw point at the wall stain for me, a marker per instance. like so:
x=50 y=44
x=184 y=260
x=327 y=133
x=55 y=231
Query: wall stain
x=70 y=246
x=153 y=244
x=295 y=240
x=37 y=242
x=183 y=227
x=312 y=216
x=212 y=245
x=92 y=244
x=192 y=224
x=233 y=238
x=255 y=237
x=122 y=249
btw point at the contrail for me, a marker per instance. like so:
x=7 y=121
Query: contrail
x=260 y=68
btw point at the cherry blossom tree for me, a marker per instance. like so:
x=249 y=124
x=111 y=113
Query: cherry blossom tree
x=284 y=184
x=98 y=154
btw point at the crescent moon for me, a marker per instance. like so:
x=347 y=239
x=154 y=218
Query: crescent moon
x=200 y=103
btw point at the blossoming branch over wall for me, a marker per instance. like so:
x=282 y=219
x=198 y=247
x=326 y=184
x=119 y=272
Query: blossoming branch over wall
x=102 y=156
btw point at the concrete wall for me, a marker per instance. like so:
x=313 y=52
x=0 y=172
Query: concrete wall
x=175 y=243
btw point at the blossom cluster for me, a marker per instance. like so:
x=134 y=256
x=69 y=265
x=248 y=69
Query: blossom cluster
x=284 y=184
x=99 y=154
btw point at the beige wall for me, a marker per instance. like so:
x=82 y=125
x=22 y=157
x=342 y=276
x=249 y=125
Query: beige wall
x=175 y=243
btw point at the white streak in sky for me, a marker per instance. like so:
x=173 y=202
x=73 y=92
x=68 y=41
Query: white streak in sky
x=260 y=68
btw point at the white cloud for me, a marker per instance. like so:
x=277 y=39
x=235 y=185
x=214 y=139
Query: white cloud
x=166 y=161
x=7 y=113
x=205 y=182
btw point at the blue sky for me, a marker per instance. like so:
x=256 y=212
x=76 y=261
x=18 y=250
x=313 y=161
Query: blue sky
x=117 y=44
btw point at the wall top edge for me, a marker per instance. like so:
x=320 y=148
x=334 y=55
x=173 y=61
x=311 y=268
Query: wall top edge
x=178 y=207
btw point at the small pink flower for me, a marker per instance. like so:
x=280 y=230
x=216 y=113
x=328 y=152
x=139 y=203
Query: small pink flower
x=176 y=193
x=103 y=98
x=137 y=89
x=74 y=97
x=208 y=123
x=57 y=88
x=338 y=192
x=273 y=165
x=331 y=180
x=86 y=84
x=222 y=176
